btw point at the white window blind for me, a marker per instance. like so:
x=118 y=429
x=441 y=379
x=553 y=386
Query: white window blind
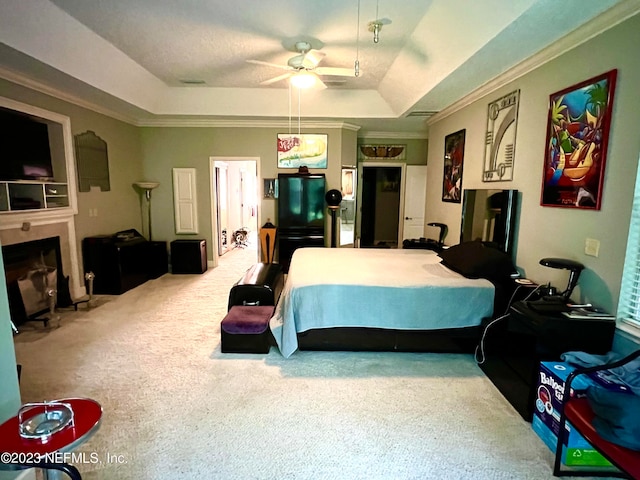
x=629 y=305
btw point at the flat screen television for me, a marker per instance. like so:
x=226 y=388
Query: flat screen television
x=25 y=153
x=489 y=215
x=301 y=203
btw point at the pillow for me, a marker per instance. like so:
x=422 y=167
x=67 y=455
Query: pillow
x=476 y=260
x=616 y=416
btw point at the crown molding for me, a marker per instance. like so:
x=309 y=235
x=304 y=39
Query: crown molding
x=243 y=123
x=403 y=135
x=603 y=22
x=24 y=81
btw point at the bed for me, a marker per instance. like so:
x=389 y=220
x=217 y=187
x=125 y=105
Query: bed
x=386 y=299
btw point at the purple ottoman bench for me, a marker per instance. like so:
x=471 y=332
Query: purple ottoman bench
x=245 y=329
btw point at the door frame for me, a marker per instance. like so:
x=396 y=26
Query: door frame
x=358 y=221
x=213 y=198
x=219 y=180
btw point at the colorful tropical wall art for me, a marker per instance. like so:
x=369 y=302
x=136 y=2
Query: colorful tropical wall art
x=576 y=148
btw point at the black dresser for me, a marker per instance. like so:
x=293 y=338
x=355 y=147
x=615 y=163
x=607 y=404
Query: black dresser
x=515 y=346
x=123 y=261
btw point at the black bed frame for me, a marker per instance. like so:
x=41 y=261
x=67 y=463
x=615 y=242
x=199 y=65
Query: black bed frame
x=453 y=340
x=448 y=340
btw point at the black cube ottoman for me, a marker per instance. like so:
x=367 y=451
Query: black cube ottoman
x=189 y=256
x=245 y=329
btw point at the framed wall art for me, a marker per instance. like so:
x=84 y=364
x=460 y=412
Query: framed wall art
x=382 y=152
x=576 y=147
x=500 y=139
x=270 y=187
x=309 y=150
x=453 y=163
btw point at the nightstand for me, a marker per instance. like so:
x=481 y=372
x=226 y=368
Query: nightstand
x=515 y=347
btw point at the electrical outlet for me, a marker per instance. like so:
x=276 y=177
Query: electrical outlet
x=592 y=247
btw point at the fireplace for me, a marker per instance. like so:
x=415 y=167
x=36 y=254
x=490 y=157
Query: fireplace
x=35 y=278
x=21 y=226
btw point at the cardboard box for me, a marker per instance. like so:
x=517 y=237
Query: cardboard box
x=548 y=408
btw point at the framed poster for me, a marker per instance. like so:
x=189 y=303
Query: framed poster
x=382 y=152
x=270 y=187
x=576 y=147
x=500 y=138
x=453 y=163
x=308 y=150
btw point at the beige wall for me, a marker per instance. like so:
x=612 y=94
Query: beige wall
x=557 y=232
x=168 y=147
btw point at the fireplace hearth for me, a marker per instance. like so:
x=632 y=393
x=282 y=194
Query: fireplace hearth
x=35 y=279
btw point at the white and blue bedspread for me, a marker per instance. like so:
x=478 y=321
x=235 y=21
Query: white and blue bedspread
x=406 y=289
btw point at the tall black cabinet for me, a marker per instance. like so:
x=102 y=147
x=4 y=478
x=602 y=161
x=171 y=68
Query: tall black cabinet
x=301 y=213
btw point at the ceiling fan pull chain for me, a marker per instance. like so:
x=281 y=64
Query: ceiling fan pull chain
x=299 y=96
x=356 y=65
x=289 y=83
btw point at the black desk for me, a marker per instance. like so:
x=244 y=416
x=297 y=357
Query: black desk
x=515 y=347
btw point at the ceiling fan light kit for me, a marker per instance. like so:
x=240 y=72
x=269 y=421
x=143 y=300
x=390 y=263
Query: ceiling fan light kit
x=304 y=70
x=303 y=79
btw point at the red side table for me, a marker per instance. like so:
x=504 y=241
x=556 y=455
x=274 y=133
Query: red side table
x=18 y=452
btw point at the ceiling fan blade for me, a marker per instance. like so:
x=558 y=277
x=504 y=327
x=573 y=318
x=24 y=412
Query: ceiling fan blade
x=320 y=85
x=267 y=64
x=336 y=72
x=312 y=58
x=276 y=79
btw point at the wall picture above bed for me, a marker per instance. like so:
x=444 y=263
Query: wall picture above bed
x=306 y=150
x=453 y=163
x=576 y=149
x=500 y=140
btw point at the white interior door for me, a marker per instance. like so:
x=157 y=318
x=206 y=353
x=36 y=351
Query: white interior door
x=414 y=201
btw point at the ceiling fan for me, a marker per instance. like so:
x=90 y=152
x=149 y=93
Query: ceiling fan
x=303 y=69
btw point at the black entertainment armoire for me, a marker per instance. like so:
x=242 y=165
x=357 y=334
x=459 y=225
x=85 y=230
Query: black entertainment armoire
x=301 y=211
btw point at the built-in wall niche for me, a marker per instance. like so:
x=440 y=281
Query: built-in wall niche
x=36 y=159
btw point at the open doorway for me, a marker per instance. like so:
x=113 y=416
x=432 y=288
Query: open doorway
x=380 y=205
x=234 y=200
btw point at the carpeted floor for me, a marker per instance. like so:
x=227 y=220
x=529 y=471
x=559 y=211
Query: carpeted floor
x=175 y=407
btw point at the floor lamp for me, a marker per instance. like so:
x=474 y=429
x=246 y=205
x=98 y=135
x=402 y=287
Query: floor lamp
x=147 y=187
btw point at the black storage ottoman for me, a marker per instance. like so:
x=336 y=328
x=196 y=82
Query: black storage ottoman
x=189 y=256
x=245 y=329
x=260 y=285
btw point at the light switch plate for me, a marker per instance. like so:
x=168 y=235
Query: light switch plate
x=592 y=247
